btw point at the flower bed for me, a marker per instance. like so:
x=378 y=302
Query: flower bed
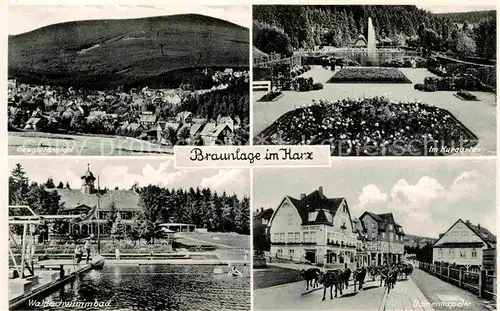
x=302 y=85
x=464 y=95
x=269 y=97
x=372 y=126
x=405 y=62
x=369 y=75
x=454 y=83
x=298 y=71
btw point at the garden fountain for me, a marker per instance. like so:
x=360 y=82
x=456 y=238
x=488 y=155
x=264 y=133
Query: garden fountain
x=371 y=43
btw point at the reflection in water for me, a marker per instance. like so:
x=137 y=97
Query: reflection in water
x=158 y=287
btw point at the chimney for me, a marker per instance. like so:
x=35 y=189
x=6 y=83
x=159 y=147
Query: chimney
x=320 y=189
x=302 y=196
x=479 y=226
x=467 y=222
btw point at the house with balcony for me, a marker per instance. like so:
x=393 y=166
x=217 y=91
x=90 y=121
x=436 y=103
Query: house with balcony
x=314 y=228
x=464 y=245
x=384 y=238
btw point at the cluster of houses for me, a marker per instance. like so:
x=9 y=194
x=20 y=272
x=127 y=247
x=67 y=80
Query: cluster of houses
x=185 y=126
x=320 y=230
x=141 y=113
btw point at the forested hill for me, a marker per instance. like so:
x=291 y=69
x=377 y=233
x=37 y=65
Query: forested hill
x=109 y=53
x=469 y=17
x=336 y=25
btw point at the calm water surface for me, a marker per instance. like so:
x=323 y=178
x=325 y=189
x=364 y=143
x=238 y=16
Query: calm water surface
x=158 y=287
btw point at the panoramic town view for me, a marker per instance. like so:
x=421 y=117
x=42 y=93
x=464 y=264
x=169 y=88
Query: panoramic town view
x=389 y=235
x=127 y=235
x=375 y=80
x=127 y=86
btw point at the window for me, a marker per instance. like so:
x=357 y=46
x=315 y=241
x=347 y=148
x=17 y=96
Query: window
x=373 y=226
x=383 y=235
x=451 y=253
x=454 y=236
x=306 y=237
x=297 y=237
x=290 y=237
x=279 y=253
x=291 y=251
x=474 y=253
x=462 y=253
x=282 y=237
x=390 y=227
x=290 y=219
x=440 y=253
x=459 y=225
x=475 y=238
x=373 y=235
x=465 y=237
x=276 y=237
x=312 y=236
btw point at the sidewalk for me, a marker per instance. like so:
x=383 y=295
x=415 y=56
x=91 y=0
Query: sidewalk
x=406 y=296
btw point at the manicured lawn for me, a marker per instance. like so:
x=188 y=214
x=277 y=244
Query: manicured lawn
x=272 y=276
x=369 y=75
x=371 y=127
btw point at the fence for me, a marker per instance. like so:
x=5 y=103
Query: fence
x=482 y=283
x=292 y=61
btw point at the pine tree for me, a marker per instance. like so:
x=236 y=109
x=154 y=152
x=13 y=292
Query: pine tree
x=60 y=185
x=18 y=185
x=50 y=183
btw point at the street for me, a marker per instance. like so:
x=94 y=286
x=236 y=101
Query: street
x=290 y=297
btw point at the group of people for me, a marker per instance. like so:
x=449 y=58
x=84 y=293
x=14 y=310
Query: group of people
x=81 y=250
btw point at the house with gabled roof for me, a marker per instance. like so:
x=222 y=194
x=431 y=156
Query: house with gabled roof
x=314 y=228
x=88 y=200
x=464 y=244
x=384 y=238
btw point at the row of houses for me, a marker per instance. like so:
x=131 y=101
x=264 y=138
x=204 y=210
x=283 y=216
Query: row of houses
x=318 y=229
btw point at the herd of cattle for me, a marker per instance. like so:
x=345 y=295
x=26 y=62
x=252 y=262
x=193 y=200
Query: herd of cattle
x=338 y=278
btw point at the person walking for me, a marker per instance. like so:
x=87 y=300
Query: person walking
x=87 y=248
x=78 y=254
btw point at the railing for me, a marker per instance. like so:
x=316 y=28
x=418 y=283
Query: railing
x=481 y=283
x=261 y=86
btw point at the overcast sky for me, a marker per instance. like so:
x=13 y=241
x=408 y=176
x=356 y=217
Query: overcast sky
x=124 y=172
x=426 y=196
x=26 y=18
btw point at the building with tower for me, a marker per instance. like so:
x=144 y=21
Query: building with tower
x=89 y=201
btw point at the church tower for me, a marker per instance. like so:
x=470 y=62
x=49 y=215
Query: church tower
x=88 y=182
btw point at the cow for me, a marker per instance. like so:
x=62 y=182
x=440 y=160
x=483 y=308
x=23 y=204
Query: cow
x=373 y=271
x=345 y=275
x=383 y=271
x=311 y=276
x=359 y=276
x=330 y=279
x=392 y=277
x=407 y=270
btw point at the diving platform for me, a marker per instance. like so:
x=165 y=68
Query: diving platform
x=49 y=275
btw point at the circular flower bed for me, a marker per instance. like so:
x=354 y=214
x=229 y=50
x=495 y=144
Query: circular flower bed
x=371 y=126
